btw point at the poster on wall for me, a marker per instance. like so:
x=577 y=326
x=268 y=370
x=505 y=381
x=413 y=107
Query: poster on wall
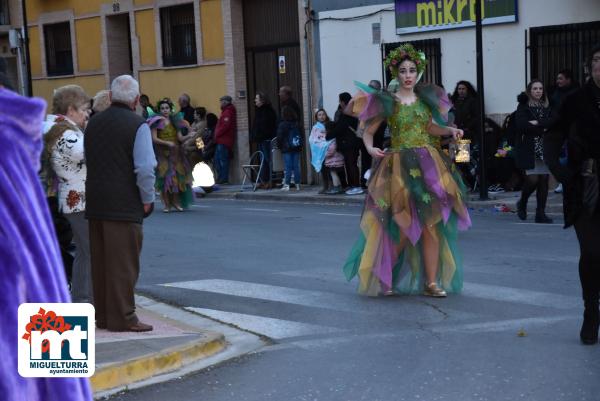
x=419 y=16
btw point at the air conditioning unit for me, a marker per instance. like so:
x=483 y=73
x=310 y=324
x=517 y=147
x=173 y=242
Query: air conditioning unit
x=14 y=38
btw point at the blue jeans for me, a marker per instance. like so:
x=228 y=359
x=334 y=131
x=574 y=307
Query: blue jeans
x=222 y=163
x=265 y=147
x=292 y=164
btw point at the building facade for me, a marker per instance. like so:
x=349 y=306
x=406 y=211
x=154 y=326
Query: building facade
x=10 y=26
x=205 y=48
x=538 y=40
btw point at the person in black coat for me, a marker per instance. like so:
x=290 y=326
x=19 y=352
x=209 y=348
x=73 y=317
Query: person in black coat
x=348 y=144
x=290 y=141
x=465 y=107
x=578 y=123
x=264 y=129
x=532 y=118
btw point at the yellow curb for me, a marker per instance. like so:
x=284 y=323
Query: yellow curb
x=122 y=374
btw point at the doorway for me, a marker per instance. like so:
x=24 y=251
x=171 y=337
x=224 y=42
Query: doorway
x=118 y=43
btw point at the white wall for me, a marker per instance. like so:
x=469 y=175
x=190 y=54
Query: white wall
x=347 y=51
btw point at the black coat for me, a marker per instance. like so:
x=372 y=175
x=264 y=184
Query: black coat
x=264 y=126
x=526 y=132
x=577 y=123
x=466 y=117
x=343 y=133
x=284 y=130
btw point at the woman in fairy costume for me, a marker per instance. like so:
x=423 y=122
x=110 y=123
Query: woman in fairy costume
x=415 y=203
x=173 y=173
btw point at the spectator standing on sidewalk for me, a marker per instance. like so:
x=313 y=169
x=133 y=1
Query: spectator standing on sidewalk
x=465 y=102
x=264 y=129
x=580 y=178
x=186 y=108
x=344 y=132
x=225 y=133
x=564 y=86
x=63 y=150
x=286 y=98
x=289 y=140
x=30 y=262
x=101 y=101
x=532 y=118
x=119 y=193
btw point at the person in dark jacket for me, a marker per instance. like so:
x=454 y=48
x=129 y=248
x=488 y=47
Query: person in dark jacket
x=465 y=106
x=289 y=140
x=578 y=122
x=348 y=144
x=532 y=118
x=264 y=128
x=119 y=192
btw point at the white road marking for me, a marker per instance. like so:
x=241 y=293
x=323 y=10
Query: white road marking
x=202 y=206
x=538 y=224
x=270 y=327
x=517 y=295
x=505 y=325
x=266 y=292
x=260 y=210
x=341 y=214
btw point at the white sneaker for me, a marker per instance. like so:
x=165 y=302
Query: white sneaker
x=558 y=189
x=285 y=188
x=355 y=191
x=297 y=187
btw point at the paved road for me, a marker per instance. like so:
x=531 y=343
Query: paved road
x=275 y=269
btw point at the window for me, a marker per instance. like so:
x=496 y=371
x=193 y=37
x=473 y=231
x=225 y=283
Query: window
x=557 y=47
x=4 y=13
x=431 y=47
x=178 y=34
x=59 y=56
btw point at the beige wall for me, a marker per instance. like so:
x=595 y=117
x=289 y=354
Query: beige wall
x=89 y=39
x=45 y=87
x=211 y=22
x=205 y=85
x=144 y=28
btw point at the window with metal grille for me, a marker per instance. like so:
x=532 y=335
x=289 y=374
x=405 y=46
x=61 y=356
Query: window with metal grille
x=553 y=48
x=178 y=34
x=432 y=49
x=59 y=55
x=4 y=13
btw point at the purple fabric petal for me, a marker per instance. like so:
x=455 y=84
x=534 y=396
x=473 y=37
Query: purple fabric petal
x=433 y=182
x=414 y=230
x=387 y=259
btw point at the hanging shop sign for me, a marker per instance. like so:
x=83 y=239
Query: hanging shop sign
x=419 y=16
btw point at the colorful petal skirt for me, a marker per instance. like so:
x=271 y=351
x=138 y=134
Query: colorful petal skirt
x=411 y=190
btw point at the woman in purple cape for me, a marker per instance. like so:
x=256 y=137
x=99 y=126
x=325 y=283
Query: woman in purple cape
x=30 y=262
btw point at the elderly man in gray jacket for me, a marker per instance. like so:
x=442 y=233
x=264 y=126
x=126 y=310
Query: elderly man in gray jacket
x=119 y=194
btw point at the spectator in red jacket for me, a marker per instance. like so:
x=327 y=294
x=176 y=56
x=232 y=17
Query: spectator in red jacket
x=224 y=138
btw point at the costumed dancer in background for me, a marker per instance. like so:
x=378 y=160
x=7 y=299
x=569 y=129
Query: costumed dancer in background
x=173 y=173
x=416 y=198
x=30 y=264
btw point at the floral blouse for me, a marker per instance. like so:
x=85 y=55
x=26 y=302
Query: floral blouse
x=68 y=162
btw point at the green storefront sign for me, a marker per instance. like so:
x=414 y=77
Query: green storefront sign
x=420 y=16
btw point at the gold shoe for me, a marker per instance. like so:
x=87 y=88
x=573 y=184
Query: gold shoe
x=432 y=290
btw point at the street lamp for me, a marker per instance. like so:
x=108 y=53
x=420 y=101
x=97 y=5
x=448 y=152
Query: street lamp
x=483 y=190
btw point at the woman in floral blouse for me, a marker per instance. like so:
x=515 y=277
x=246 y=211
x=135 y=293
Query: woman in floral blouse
x=66 y=174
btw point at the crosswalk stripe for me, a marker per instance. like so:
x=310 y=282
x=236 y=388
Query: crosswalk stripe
x=270 y=327
x=267 y=292
x=250 y=209
x=517 y=295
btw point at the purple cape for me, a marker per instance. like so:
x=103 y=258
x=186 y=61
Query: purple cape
x=30 y=263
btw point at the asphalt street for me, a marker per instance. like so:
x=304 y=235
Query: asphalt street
x=275 y=269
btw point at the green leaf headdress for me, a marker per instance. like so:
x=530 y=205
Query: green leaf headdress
x=403 y=52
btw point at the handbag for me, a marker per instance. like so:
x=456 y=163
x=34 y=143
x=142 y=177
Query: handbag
x=590 y=185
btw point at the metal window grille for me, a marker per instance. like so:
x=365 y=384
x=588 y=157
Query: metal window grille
x=432 y=49
x=178 y=35
x=553 y=48
x=59 y=55
x=4 y=13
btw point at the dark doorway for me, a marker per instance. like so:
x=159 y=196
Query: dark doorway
x=271 y=31
x=118 y=41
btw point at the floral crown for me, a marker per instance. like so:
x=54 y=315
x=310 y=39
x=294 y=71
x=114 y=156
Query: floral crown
x=165 y=100
x=405 y=51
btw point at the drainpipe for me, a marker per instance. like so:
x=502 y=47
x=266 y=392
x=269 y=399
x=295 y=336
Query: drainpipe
x=306 y=4
x=29 y=89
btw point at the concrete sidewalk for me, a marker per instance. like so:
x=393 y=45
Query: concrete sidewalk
x=503 y=202
x=180 y=343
